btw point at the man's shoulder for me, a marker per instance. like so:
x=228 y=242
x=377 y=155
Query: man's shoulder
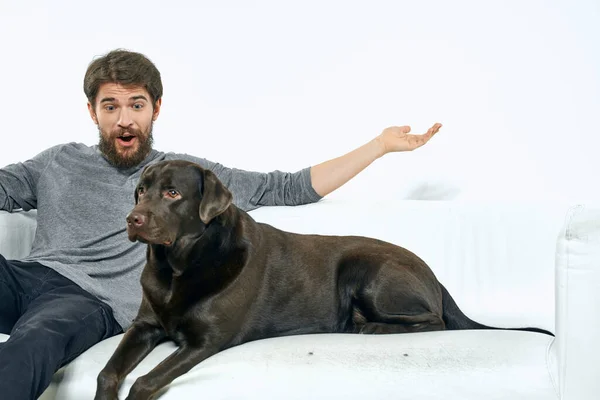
x=71 y=149
x=74 y=146
x=187 y=157
x=77 y=150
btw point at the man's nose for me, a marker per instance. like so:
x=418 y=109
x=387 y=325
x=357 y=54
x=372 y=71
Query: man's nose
x=125 y=120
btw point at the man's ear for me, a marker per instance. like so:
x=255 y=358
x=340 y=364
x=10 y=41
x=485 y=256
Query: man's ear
x=216 y=198
x=156 y=109
x=92 y=112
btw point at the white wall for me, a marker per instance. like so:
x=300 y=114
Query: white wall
x=283 y=85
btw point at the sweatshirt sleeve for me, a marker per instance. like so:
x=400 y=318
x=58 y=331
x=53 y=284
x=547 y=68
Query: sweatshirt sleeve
x=255 y=189
x=18 y=182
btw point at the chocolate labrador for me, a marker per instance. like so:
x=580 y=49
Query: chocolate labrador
x=215 y=278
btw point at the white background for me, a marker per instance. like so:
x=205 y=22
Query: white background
x=286 y=84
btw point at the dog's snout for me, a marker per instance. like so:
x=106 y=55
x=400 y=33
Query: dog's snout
x=136 y=219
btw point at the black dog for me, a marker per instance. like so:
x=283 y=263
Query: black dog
x=215 y=278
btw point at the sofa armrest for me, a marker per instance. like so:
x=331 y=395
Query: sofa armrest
x=17 y=231
x=577 y=349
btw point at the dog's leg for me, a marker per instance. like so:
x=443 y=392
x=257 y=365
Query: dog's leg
x=398 y=300
x=137 y=343
x=177 y=364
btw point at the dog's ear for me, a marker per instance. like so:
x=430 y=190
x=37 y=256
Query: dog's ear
x=215 y=197
x=135 y=191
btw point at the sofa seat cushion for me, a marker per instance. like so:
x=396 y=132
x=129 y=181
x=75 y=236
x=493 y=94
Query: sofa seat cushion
x=434 y=365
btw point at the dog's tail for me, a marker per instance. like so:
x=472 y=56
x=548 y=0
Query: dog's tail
x=455 y=319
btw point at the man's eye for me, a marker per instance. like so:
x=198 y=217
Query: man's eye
x=138 y=106
x=109 y=108
x=141 y=190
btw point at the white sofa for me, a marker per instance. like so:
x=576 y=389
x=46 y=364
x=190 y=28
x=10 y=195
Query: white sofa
x=506 y=264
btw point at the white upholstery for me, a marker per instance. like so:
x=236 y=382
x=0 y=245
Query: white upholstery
x=578 y=301
x=16 y=233
x=502 y=262
x=468 y=365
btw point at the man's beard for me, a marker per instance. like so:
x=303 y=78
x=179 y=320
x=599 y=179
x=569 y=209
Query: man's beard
x=108 y=147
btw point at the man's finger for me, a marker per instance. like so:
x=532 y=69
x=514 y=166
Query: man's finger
x=434 y=129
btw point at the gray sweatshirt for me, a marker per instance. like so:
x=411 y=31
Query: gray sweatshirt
x=82 y=201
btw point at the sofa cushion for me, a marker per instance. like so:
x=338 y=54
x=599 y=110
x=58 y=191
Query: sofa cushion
x=453 y=365
x=17 y=231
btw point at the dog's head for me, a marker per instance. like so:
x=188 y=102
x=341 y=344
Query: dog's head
x=175 y=199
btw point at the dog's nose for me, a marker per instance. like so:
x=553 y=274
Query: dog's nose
x=136 y=219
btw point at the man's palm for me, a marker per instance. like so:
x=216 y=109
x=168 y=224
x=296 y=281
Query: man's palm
x=398 y=138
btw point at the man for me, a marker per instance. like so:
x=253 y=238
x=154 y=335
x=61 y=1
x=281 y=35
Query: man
x=80 y=284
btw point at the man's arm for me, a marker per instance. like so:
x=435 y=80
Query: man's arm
x=253 y=189
x=276 y=188
x=18 y=182
x=330 y=175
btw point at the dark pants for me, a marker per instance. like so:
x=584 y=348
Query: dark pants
x=50 y=321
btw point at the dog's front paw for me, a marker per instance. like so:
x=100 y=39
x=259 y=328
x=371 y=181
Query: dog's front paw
x=141 y=390
x=107 y=388
x=105 y=396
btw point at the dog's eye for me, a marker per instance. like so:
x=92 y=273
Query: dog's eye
x=172 y=193
x=140 y=190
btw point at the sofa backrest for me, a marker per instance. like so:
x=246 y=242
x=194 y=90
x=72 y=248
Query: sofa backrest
x=496 y=259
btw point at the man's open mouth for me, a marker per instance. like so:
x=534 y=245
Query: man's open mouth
x=126 y=139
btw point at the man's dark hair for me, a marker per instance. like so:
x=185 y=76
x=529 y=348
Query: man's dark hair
x=126 y=68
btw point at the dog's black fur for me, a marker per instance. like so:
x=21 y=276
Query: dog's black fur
x=215 y=278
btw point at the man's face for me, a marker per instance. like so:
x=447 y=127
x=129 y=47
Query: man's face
x=124 y=116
